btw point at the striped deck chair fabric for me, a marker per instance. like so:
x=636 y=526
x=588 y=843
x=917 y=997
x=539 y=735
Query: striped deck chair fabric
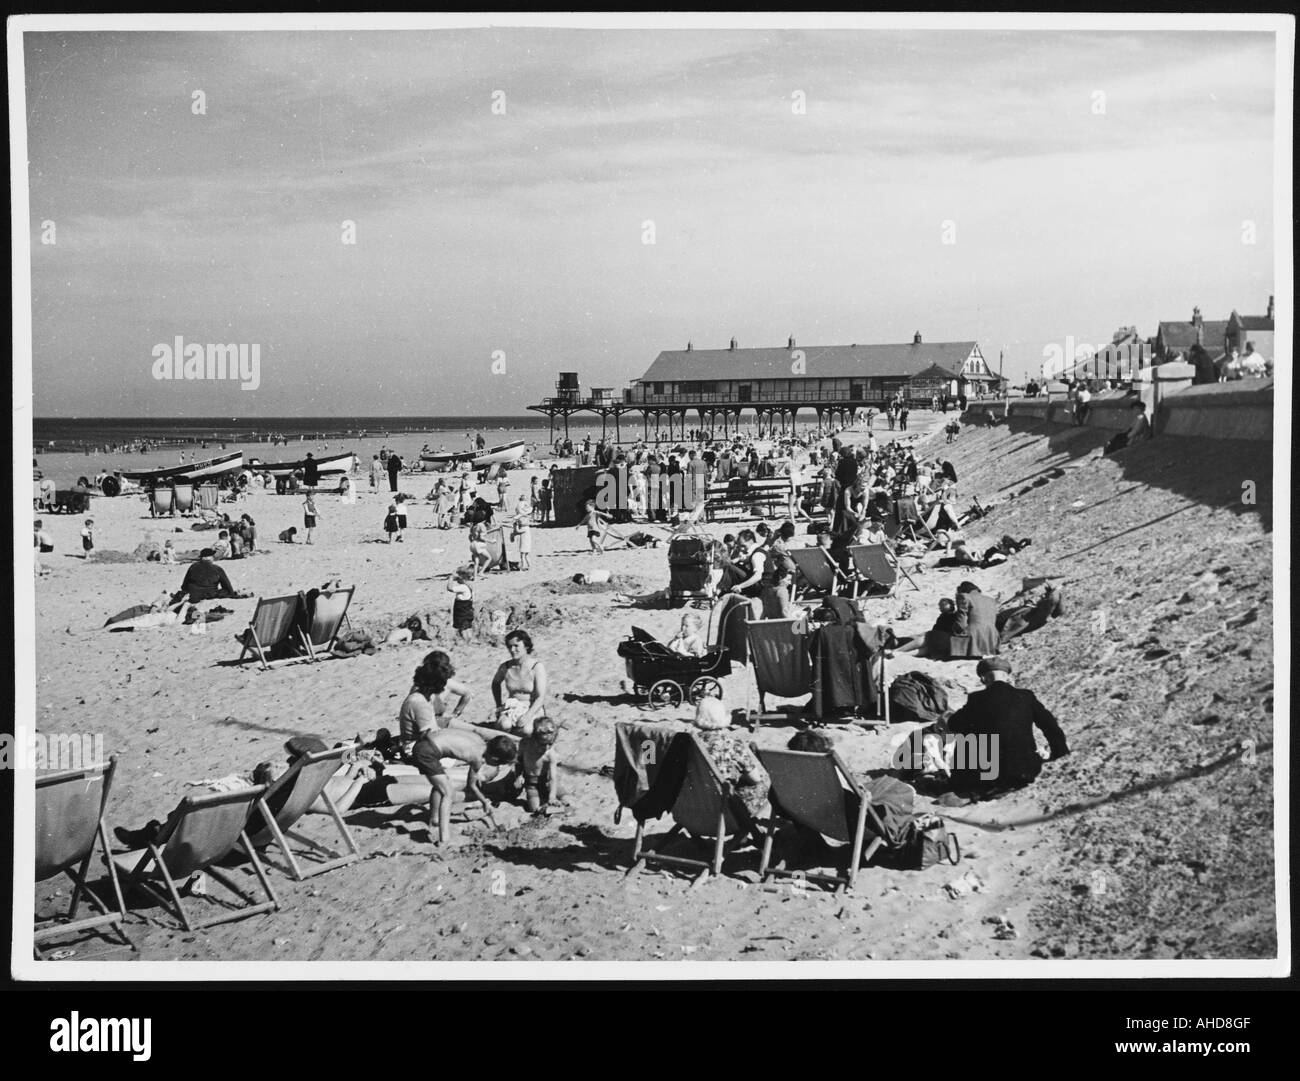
x=817 y=792
x=820 y=575
x=70 y=818
x=207 y=496
x=162 y=500
x=198 y=833
x=328 y=611
x=273 y=622
x=779 y=651
x=183 y=498
x=289 y=798
x=873 y=566
x=703 y=810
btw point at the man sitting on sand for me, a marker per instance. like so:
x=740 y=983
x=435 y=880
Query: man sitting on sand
x=205 y=581
x=994 y=731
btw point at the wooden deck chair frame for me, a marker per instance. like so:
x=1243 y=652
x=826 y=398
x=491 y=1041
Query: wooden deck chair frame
x=163 y=500
x=260 y=645
x=828 y=575
x=279 y=825
x=643 y=856
x=155 y=856
x=68 y=924
x=867 y=562
x=323 y=649
x=844 y=781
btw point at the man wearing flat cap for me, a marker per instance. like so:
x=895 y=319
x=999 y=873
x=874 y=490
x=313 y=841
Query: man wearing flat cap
x=995 y=730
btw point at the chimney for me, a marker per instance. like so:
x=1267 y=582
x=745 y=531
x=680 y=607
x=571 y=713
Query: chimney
x=791 y=345
x=1270 y=309
x=1196 y=317
x=733 y=343
x=916 y=338
x=688 y=347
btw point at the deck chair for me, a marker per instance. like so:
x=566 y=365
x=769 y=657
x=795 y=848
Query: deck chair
x=782 y=667
x=290 y=797
x=69 y=819
x=819 y=572
x=162 y=500
x=274 y=621
x=329 y=612
x=183 y=498
x=201 y=831
x=207 y=497
x=703 y=810
x=817 y=792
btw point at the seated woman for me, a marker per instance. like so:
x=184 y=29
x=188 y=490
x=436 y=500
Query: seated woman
x=519 y=687
x=731 y=755
x=937 y=640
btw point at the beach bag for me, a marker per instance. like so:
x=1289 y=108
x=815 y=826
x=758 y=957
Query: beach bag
x=917 y=696
x=930 y=843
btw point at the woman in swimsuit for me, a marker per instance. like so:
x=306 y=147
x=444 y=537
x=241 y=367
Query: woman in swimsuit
x=519 y=687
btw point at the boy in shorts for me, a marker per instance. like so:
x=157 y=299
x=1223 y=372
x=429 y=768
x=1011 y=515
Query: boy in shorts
x=484 y=758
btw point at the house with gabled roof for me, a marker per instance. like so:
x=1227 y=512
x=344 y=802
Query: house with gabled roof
x=1254 y=329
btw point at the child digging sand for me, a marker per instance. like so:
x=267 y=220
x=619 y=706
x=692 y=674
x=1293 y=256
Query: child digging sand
x=535 y=774
x=392 y=524
x=88 y=538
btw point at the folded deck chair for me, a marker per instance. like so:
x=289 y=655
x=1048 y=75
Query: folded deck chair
x=702 y=809
x=328 y=612
x=274 y=621
x=821 y=577
x=162 y=500
x=69 y=819
x=183 y=498
x=817 y=792
x=782 y=666
x=290 y=797
x=201 y=831
x=207 y=497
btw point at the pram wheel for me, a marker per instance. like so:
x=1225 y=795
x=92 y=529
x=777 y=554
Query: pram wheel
x=665 y=693
x=705 y=687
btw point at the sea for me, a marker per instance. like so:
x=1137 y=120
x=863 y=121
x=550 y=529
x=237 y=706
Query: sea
x=126 y=434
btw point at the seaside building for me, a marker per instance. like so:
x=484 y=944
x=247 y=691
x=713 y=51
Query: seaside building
x=717 y=386
x=1175 y=339
x=1253 y=329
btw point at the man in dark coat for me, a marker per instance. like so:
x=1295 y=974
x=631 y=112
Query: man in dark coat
x=977 y=616
x=995 y=750
x=310 y=472
x=394 y=468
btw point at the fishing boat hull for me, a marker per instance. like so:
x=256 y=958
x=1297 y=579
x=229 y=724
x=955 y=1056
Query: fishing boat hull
x=332 y=465
x=195 y=471
x=442 y=461
x=505 y=454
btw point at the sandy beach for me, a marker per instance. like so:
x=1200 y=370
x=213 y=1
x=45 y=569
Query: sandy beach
x=1063 y=862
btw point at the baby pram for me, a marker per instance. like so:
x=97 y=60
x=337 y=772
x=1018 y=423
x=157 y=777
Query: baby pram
x=669 y=679
x=689 y=563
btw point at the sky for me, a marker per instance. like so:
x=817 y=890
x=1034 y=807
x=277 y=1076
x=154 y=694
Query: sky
x=502 y=184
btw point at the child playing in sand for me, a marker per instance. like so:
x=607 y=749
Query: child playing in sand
x=597 y=525
x=479 y=552
x=401 y=514
x=484 y=758
x=535 y=774
x=309 y=515
x=545 y=497
x=688 y=641
x=462 y=608
x=87 y=538
x=391 y=526
x=287 y=535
